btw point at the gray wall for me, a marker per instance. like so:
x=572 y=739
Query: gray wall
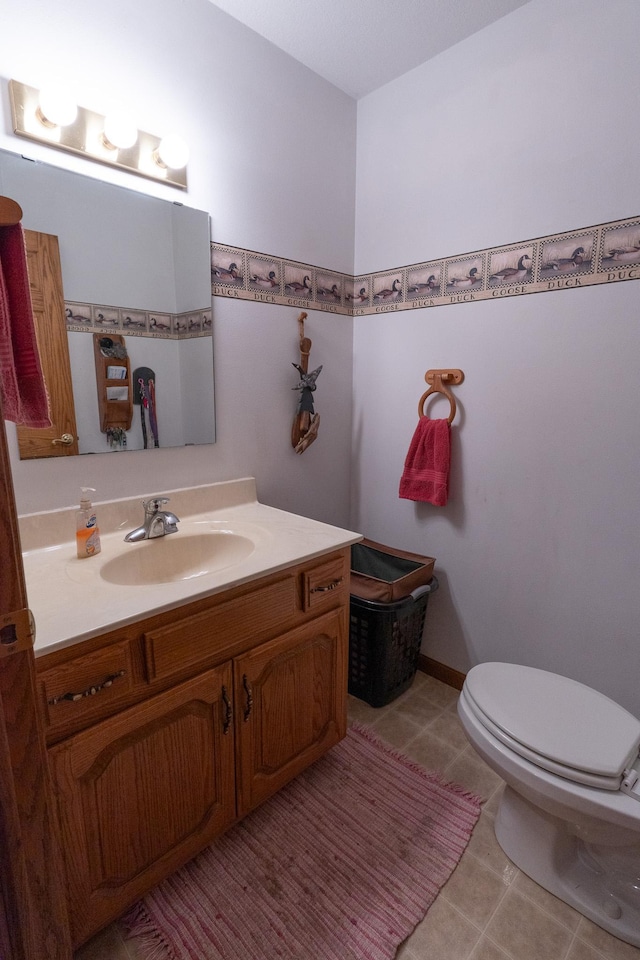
x=273 y=162
x=516 y=133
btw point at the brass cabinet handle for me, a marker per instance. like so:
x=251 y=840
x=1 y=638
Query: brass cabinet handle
x=89 y=692
x=249 y=694
x=228 y=711
x=329 y=586
x=65 y=440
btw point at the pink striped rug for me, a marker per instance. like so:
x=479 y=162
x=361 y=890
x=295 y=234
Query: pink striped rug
x=340 y=865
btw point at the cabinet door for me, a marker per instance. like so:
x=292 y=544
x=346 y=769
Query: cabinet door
x=290 y=699
x=141 y=793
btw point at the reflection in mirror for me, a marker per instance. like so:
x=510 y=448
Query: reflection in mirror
x=136 y=271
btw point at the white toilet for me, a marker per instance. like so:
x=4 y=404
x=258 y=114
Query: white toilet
x=570 y=813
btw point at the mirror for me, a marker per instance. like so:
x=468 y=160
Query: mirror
x=136 y=271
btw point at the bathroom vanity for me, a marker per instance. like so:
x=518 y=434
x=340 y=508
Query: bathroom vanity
x=205 y=694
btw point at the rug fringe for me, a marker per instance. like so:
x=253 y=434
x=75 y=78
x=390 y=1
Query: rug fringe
x=150 y=943
x=430 y=775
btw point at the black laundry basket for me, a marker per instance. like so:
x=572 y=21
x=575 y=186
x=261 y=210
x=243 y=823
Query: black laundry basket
x=385 y=637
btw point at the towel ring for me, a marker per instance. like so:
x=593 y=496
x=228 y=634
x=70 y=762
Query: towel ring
x=437 y=380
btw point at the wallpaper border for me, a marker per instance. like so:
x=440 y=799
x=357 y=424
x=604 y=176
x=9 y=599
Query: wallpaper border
x=605 y=253
x=100 y=318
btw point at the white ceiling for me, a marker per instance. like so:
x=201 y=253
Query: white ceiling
x=359 y=45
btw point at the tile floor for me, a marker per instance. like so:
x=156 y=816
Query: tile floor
x=488 y=910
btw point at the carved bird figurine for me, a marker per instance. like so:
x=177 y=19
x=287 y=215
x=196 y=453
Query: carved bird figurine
x=306 y=386
x=513 y=273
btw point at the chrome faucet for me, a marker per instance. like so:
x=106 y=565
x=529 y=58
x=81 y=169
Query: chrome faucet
x=157 y=522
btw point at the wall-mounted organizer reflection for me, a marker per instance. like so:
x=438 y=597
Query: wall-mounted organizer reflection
x=113 y=382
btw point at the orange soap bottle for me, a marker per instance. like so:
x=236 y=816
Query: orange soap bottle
x=87 y=532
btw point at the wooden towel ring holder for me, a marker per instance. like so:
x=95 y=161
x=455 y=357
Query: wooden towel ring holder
x=10 y=212
x=438 y=380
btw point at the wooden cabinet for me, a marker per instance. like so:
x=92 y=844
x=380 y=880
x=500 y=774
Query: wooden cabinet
x=140 y=792
x=290 y=700
x=214 y=708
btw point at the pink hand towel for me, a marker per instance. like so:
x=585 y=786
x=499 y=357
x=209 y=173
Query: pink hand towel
x=426 y=468
x=24 y=395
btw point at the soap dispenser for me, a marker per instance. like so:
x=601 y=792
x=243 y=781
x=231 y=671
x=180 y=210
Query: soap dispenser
x=87 y=532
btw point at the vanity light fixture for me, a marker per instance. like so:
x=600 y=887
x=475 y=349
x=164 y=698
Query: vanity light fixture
x=113 y=139
x=172 y=153
x=119 y=131
x=56 y=107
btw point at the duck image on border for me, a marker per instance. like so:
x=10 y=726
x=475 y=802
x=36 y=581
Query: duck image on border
x=226 y=267
x=424 y=281
x=358 y=291
x=264 y=274
x=573 y=255
x=621 y=245
x=464 y=274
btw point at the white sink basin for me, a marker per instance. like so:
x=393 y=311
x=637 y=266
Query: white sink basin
x=176 y=557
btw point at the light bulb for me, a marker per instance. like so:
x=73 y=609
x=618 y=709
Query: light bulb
x=56 y=107
x=119 y=132
x=172 y=152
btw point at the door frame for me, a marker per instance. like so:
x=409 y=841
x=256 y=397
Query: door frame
x=33 y=921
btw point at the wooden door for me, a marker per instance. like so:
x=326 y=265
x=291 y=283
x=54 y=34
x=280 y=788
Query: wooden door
x=290 y=705
x=33 y=918
x=141 y=793
x=45 y=280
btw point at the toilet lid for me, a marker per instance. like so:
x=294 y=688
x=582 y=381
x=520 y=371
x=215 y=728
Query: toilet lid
x=556 y=722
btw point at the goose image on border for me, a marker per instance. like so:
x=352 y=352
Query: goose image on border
x=387 y=294
x=300 y=288
x=514 y=273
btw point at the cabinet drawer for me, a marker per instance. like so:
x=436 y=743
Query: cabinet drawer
x=216 y=634
x=85 y=688
x=324 y=581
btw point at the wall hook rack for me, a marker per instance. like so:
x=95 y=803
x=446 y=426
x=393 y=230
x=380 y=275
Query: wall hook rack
x=438 y=380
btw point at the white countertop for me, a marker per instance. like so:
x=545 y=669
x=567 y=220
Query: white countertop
x=71 y=601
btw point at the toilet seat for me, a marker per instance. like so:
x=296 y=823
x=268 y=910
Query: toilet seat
x=558 y=724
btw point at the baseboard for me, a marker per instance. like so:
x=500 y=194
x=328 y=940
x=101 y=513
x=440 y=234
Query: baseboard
x=441 y=672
